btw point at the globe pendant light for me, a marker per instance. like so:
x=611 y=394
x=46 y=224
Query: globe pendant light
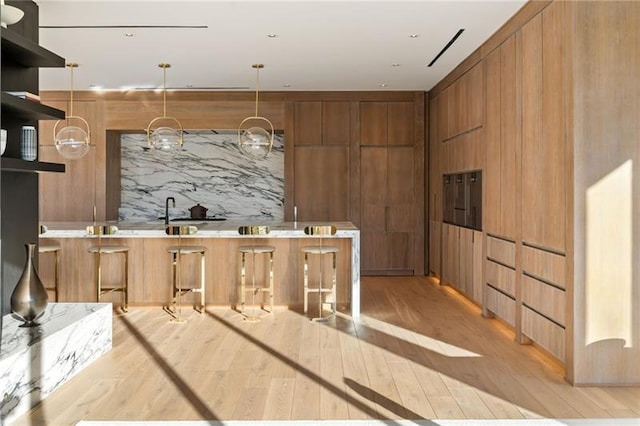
x=72 y=142
x=165 y=134
x=253 y=139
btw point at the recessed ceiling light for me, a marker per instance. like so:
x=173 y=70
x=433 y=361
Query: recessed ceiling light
x=395 y=65
x=272 y=35
x=128 y=34
x=286 y=85
x=189 y=86
x=414 y=35
x=383 y=85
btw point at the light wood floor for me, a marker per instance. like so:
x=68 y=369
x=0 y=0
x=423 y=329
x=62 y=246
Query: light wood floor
x=420 y=351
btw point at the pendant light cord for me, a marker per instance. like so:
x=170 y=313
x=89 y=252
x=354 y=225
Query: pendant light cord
x=257 y=88
x=164 y=89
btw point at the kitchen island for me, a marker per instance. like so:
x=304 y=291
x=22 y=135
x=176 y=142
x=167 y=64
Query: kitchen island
x=150 y=280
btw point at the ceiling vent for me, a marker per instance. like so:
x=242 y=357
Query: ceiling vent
x=444 y=49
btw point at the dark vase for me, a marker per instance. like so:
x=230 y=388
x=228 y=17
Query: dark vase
x=29 y=298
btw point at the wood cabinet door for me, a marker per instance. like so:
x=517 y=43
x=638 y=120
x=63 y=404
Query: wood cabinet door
x=336 y=123
x=308 y=123
x=373 y=123
x=543 y=131
x=465 y=260
x=477 y=276
x=450 y=254
x=435 y=247
x=509 y=138
x=492 y=180
x=400 y=124
x=321 y=191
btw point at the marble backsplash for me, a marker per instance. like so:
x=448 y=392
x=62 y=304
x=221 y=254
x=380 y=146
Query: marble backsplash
x=210 y=170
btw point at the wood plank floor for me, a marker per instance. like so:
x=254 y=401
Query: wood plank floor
x=420 y=351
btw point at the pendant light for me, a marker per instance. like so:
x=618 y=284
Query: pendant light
x=255 y=141
x=165 y=134
x=72 y=142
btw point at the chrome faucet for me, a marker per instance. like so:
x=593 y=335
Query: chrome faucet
x=166 y=209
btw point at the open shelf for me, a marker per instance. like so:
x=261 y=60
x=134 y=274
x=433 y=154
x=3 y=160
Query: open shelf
x=26 y=52
x=29 y=110
x=19 y=165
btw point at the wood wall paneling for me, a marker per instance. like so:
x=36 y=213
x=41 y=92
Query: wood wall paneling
x=308 y=123
x=544 y=332
x=336 y=123
x=509 y=138
x=501 y=305
x=493 y=120
x=373 y=123
x=547 y=300
x=321 y=183
x=401 y=119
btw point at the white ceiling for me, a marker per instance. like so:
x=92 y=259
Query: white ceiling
x=320 y=45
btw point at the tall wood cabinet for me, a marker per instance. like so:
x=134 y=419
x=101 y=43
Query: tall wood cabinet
x=387 y=188
x=561 y=143
x=21 y=58
x=363 y=161
x=322 y=139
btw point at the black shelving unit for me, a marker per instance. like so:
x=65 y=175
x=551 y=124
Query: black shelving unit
x=19 y=201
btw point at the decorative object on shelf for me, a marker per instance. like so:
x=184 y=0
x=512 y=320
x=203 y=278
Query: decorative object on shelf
x=165 y=134
x=256 y=141
x=29 y=143
x=9 y=15
x=29 y=298
x=3 y=140
x=72 y=142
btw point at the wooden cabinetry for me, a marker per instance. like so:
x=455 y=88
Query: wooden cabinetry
x=502 y=140
x=389 y=194
x=462 y=260
x=322 y=160
x=544 y=153
x=21 y=58
x=57 y=203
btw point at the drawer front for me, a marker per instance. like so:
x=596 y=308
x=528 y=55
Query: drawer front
x=501 y=305
x=544 y=332
x=546 y=299
x=501 y=277
x=502 y=251
x=548 y=266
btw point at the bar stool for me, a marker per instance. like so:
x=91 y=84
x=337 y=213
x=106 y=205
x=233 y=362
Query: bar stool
x=98 y=251
x=331 y=297
x=46 y=247
x=253 y=250
x=176 y=254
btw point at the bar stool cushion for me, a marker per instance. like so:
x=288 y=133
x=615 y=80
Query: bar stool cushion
x=319 y=249
x=48 y=247
x=108 y=249
x=186 y=249
x=256 y=249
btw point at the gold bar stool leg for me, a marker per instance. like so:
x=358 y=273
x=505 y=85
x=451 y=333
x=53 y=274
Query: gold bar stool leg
x=202 y=283
x=271 y=279
x=306 y=282
x=56 y=274
x=98 y=275
x=335 y=294
x=243 y=272
x=125 y=307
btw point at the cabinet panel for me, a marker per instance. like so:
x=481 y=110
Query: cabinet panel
x=548 y=266
x=501 y=305
x=509 y=138
x=336 y=123
x=373 y=123
x=374 y=251
x=321 y=190
x=502 y=251
x=308 y=123
x=400 y=251
x=435 y=167
x=435 y=247
x=449 y=254
x=501 y=277
x=373 y=189
x=477 y=262
x=492 y=181
x=465 y=261
x=547 y=334
x=543 y=144
x=400 y=176
x=545 y=299
x=401 y=123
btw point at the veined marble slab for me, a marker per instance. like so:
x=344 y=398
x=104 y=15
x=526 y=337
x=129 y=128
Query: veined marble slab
x=209 y=170
x=35 y=361
x=225 y=229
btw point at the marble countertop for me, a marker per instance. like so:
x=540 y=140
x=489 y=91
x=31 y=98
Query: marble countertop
x=225 y=229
